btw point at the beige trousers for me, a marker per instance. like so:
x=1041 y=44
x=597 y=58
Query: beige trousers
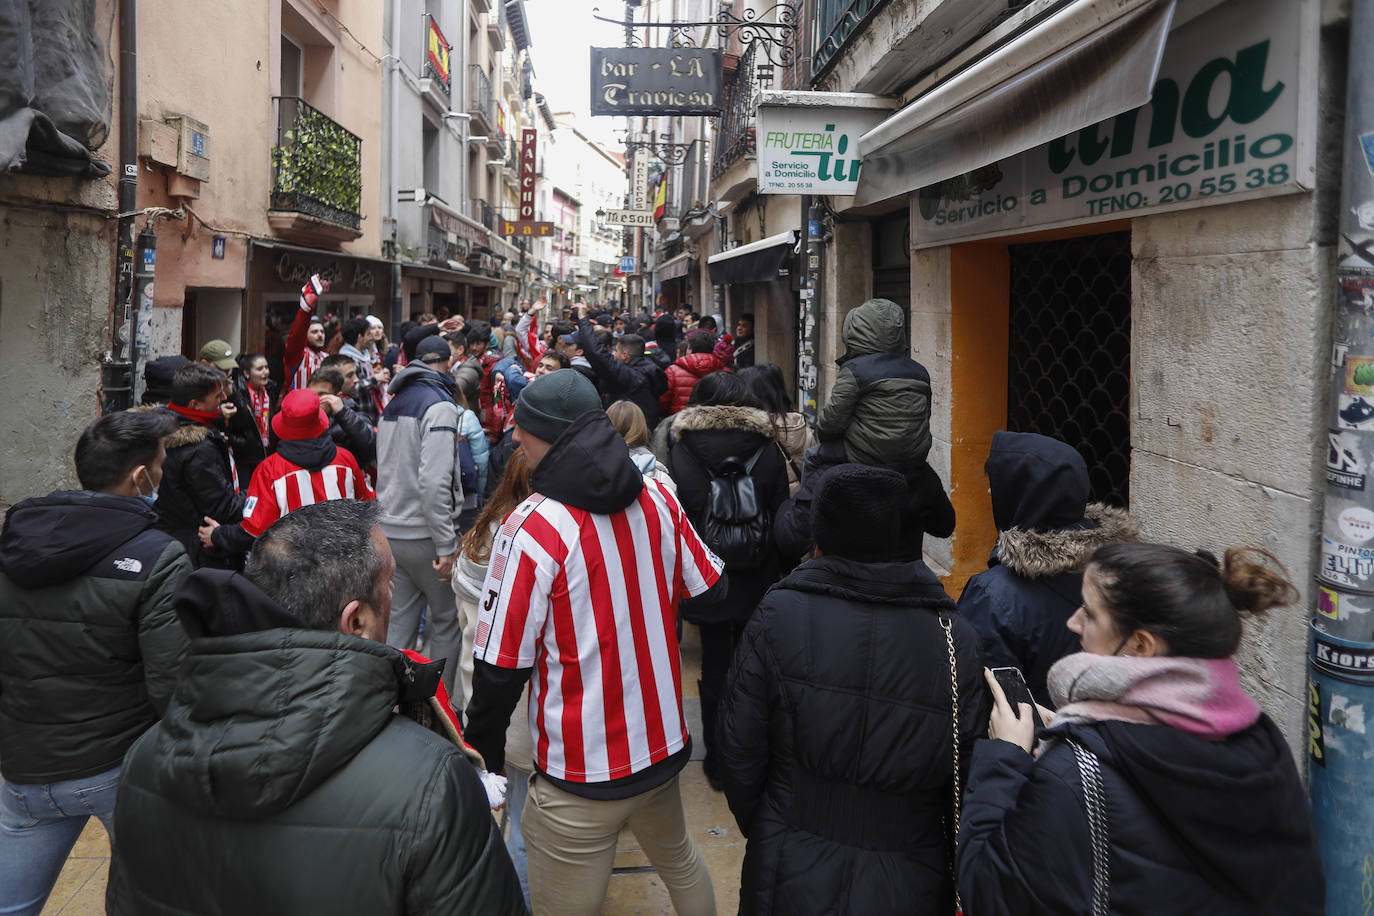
x=570 y=844
x=462 y=686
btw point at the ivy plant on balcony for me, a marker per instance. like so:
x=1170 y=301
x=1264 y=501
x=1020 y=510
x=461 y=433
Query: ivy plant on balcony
x=317 y=167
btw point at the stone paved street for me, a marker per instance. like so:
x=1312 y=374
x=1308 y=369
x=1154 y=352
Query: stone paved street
x=635 y=889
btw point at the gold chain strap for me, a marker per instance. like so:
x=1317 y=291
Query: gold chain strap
x=954 y=702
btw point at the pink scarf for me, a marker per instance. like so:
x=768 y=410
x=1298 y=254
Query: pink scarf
x=1201 y=696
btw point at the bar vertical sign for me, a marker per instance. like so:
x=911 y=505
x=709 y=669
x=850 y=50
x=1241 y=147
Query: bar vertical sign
x=529 y=167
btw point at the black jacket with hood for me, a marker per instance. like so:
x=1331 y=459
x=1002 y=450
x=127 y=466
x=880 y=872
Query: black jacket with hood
x=282 y=781
x=1193 y=825
x=640 y=380
x=89 y=643
x=1047 y=531
x=706 y=437
x=196 y=482
x=588 y=467
x=836 y=740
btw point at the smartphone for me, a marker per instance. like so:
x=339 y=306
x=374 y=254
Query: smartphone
x=1013 y=684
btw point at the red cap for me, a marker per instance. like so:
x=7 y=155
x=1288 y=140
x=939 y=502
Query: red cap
x=301 y=416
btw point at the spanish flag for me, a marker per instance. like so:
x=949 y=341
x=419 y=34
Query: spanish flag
x=661 y=199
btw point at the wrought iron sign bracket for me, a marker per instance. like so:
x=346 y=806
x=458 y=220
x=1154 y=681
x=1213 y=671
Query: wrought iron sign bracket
x=773 y=30
x=658 y=145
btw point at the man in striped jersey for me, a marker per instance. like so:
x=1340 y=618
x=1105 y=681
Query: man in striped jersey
x=305 y=344
x=582 y=594
x=306 y=468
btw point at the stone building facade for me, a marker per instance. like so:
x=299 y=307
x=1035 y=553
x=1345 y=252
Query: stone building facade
x=1180 y=338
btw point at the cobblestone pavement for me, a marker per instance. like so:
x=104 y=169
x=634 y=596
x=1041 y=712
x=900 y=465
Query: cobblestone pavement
x=635 y=889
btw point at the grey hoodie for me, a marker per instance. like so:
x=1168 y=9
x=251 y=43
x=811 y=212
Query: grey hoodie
x=419 y=482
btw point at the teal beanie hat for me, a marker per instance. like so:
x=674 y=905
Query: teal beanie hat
x=550 y=403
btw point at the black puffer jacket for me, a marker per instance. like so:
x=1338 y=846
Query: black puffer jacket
x=836 y=740
x=1048 y=530
x=280 y=780
x=1194 y=826
x=707 y=436
x=196 y=482
x=89 y=644
x=927 y=510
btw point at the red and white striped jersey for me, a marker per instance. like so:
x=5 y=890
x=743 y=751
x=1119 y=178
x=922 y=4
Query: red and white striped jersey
x=279 y=487
x=300 y=361
x=590 y=602
x=310 y=361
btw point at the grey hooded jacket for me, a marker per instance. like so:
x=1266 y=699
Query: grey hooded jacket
x=880 y=405
x=419 y=482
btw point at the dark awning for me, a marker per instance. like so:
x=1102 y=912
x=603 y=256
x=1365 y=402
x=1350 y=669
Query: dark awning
x=1089 y=61
x=758 y=262
x=519 y=28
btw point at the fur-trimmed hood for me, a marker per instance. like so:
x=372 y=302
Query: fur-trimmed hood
x=1039 y=554
x=188 y=433
x=745 y=419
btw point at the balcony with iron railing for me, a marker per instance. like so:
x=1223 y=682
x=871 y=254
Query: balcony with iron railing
x=837 y=23
x=317 y=174
x=481 y=101
x=483 y=212
x=735 y=129
x=435 y=63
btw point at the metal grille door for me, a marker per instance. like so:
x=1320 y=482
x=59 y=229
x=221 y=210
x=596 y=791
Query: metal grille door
x=1069 y=372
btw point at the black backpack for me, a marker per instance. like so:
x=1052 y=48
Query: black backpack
x=735 y=524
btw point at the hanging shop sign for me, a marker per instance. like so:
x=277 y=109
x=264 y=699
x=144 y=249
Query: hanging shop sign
x=656 y=81
x=528 y=173
x=639 y=186
x=641 y=218
x=1232 y=117
x=436 y=61
x=806 y=140
x=526 y=228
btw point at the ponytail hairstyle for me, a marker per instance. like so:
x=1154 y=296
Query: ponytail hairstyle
x=1189 y=600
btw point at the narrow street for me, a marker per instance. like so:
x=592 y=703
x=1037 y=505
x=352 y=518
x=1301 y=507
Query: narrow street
x=634 y=889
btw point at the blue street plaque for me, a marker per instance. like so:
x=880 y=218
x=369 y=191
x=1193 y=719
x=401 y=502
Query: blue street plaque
x=217 y=247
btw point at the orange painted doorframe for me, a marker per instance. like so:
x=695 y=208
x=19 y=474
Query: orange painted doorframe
x=979 y=333
x=979 y=293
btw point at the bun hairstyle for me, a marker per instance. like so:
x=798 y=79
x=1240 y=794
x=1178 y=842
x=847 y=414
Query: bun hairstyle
x=1189 y=600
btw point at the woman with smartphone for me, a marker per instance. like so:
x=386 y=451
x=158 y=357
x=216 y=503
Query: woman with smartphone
x=1158 y=785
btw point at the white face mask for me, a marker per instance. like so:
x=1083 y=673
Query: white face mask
x=151 y=497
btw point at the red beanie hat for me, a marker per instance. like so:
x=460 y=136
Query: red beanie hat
x=301 y=416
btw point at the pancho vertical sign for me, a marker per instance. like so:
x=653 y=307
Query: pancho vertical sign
x=525 y=224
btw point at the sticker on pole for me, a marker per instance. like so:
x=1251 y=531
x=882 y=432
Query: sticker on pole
x=1344 y=469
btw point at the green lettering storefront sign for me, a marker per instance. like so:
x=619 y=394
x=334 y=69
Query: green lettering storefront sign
x=806 y=140
x=1232 y=116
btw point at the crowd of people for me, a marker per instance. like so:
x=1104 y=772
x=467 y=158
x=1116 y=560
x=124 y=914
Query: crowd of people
x=362 y=626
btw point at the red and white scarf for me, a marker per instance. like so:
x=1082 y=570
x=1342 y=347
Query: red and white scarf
x=260 y=403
